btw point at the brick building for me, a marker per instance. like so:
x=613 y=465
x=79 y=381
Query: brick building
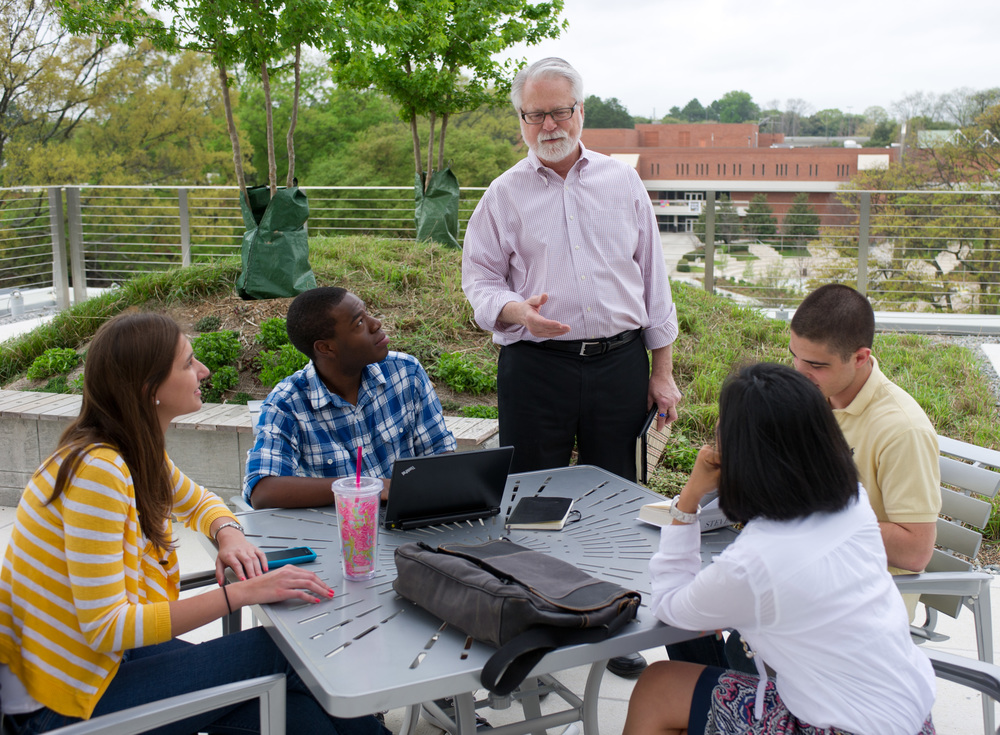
x=680 y=163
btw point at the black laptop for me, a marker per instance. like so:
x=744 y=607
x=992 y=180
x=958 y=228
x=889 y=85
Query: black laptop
x=444 y=488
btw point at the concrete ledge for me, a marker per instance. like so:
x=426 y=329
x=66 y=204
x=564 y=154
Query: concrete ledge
x=921 y=322
x=210 y=446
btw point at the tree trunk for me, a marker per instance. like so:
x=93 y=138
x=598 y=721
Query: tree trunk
x=444 y=129
x=234 y=137
x=431 y=117
x=290 y=138
x=416 y=142
x=272 y=166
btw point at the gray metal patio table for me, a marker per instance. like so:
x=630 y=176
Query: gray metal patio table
x=368 y=650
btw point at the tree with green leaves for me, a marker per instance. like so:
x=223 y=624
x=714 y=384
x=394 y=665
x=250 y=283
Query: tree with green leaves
x=956 y=227
x=50 y=81
x=609 y=113
x=736 y=107
x=727 y=221
x=693 y=111
x=759 y=223
x=884 y=134
x=262 y=36
x=436 y=58
x=801 y=223
x=329 y=119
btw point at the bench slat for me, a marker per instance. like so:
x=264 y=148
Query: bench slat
x=971 y=452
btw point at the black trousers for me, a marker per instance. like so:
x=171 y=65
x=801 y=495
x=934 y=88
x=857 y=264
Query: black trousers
x=551 y=401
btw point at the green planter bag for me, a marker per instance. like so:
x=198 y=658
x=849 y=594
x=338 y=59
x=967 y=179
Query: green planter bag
x=436 y=212
x=275 y=249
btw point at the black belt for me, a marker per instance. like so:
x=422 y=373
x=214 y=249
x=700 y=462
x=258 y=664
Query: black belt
x=589 y=347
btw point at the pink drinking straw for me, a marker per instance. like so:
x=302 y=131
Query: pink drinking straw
x=357 y=479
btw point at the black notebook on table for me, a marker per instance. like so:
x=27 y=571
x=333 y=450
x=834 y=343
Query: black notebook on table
x=540 y=512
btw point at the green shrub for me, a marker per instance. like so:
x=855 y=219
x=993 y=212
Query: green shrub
x=54 y=361
x=241 y=398
x=210 y=323
x=223 y=379
x=273 y=333
x=78 y=383
x=58 y=384
x=276 y=365
x=679 y=453
x=462 y=374
x=479 y=411
x=217 y=349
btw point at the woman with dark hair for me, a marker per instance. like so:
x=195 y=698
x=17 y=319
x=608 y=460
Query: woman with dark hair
x=805 y=583
x=89 y=605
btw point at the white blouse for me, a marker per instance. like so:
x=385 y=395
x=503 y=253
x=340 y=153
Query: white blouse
x=812 y=597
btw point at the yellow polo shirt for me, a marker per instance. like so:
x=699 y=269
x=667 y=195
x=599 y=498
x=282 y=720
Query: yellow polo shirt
x=896 y=452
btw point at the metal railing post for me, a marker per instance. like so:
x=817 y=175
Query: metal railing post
x=864 y=232
x=60 y=281
x=710 y=241
x=182 y=201
x=74 y=215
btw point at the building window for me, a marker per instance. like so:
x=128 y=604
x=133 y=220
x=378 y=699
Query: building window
x=753 y=169
x=741 y=169
x=796 y=169
x=762 y=169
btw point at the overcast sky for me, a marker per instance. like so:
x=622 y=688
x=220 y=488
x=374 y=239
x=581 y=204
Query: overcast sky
x=850 y=54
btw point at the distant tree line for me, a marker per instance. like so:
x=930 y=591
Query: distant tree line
x=758 y=224
x=74 y=110
x=796 y=117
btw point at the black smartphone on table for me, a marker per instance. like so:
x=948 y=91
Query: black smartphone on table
x=294 y=555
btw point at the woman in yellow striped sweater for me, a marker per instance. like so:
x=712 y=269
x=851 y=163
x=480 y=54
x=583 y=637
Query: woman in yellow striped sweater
x=89 y=608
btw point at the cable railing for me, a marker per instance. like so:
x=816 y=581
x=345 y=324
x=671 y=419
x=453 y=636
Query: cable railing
x=933 y=251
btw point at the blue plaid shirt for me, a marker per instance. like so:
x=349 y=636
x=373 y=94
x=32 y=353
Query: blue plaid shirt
x=305 y=430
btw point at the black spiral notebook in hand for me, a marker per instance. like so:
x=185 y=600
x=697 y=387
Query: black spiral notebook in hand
x=540 y=513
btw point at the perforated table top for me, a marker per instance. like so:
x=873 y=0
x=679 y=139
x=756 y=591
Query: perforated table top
x=368 y=649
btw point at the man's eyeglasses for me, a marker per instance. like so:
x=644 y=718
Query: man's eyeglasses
x=558 y=115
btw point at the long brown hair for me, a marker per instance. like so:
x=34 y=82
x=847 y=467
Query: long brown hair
x=128 y=360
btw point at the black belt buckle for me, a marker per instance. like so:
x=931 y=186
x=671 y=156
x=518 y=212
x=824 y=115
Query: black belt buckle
x=602 y=345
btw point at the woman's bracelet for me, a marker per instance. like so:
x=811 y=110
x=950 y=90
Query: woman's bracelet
x=228 y=524
x=226 y=593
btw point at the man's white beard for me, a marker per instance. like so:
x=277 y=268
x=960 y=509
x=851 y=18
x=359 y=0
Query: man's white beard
x=555 y=149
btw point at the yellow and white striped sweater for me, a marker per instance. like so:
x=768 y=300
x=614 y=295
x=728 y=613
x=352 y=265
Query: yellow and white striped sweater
x=80 y=584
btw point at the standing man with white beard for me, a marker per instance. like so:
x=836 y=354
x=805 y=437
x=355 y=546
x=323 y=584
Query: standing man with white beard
x=562 y=262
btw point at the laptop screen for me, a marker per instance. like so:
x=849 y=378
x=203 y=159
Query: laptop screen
x=443 y=488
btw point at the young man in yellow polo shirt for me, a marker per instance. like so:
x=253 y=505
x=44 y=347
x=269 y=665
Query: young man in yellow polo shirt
x=894 y=444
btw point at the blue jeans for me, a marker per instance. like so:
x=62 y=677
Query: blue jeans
x=155 y=672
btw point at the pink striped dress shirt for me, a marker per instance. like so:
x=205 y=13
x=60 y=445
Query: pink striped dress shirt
x=590 y=242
